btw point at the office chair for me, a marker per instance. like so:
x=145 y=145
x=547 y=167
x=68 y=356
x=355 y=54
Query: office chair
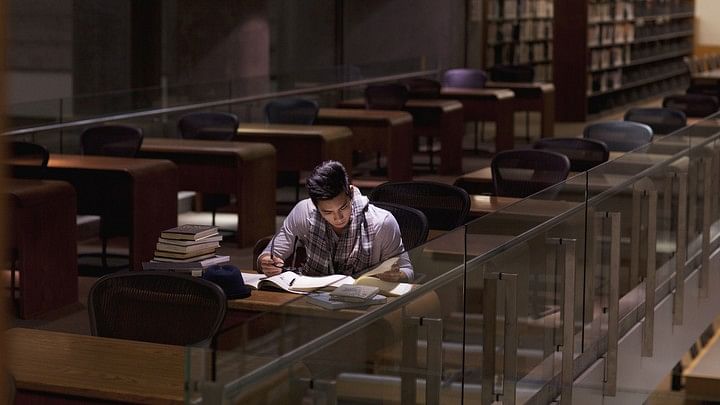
x=693 y=105
x=391 y=96
x=469 y=78
x=523 y=172
x=621 y=136
x=413 y=224
x=514 y=74
x=297 y=111
x=111 y=140
x=661 y=120
x=156 y=306
x=215 y=126
x=445 y=206
x=419 y=87
x=583 y=153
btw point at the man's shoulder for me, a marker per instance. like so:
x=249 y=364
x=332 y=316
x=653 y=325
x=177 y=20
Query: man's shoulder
x=379 y=216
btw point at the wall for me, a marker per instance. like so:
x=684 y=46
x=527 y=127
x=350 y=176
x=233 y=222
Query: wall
x=707 y=30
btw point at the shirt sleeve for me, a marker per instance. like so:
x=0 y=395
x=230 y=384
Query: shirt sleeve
x=391 y=245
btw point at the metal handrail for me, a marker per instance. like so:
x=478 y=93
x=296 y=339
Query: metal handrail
x=216 y=103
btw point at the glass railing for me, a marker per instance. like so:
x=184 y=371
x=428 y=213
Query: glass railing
x=594 y=288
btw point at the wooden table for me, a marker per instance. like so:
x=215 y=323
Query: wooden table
x=533 y=97
x=483 y=204
x=387 y=132
x=702 y=377
x=244 y=169
x=496 y=105
x=441 y=119
x=302 y=147
x=43 y=237
x=135 y=197
x=52 y=367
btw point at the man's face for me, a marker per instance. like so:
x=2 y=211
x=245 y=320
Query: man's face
x=336 y=211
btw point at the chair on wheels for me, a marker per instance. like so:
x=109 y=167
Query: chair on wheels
x=117 y=141
x=693 y=105
x=419 y=87
x=157 y=306
x=111 y=140
x=215 y=126
x=514 y=74
x=520 y=173
x=661 y=120
x=469 y=78
x=621 y=136
x=445 y=206
x=412 y=222
x=297 y=111
x=584 y=154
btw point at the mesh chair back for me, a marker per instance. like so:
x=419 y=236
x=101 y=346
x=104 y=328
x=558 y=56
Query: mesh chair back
x=291 y=111
x=512 y=73
x=661 y=120
x=584 y=154
x=29 y=153
x=523 y=172
x=218 y=126
x=621 y=136
x=392 y=96
x=157 y=306
x=412 y=222
x=111 y=140
x=444 y=206
x=693 y=105
x=419 y=87
x=472 y=78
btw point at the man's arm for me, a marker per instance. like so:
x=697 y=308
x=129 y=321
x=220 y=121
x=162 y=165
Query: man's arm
x=390 y=241
x=281 y=244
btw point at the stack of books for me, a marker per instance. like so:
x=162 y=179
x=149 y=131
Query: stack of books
x=190 y=248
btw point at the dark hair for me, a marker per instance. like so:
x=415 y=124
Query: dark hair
x=327 y=181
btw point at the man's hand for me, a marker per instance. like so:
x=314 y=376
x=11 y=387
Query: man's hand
x=394 y=274
x=269 y=267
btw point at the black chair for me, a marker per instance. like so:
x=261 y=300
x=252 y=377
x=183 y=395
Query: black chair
x=661 y=120
x=156 y=306
x=445 y=206
x=693 y=105
x=111 y=140
x=419 y=87
x=412 y=222
x=583 y=153
x=218 y=126
x=215 y=126
x=523 y=172
x=297 y=111
x=621 y=136
x=390 y=96
x=514 y=74
x=469 y=78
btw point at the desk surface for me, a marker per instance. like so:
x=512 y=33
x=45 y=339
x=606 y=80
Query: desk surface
x=355 y=114
x=193 y=146
x=483 y=204
x=328 y=132
x=702 y=377
x=95 y=367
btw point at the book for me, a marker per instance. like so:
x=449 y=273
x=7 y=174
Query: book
x=354 y=293
x=212 y=238
x=388 y=288
x=323 y=299
x=191 y=259
x=188 y=266
x=168 y=247
x=189 y=232
x=186 y=255
x=292 y=282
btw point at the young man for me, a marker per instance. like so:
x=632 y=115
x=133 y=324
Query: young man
x=341 y=231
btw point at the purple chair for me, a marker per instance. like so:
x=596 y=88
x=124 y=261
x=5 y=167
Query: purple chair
x=298 y=111
x=216 y=126
x=523 y=172
x=693 y=105
x=584 y=154
x=621 y=136
x=469 y=78
x=661 y=120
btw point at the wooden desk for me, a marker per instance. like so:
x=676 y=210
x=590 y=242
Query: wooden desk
x=387 y=132
x=135 y=197
x=441 y=119
x=302 y=147
x=496 y=105
x=482 y=204
x=246 y=170
x=43 y=236
x=52 y=367
x=702 y=377
x=533 y=97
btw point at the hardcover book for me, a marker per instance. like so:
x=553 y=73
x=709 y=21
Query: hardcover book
x=189 y=232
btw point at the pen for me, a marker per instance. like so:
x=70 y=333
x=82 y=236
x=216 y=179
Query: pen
x=292 y=281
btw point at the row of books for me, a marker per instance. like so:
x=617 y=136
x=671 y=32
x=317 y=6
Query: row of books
x=524 y=31
x=621 y=33
x=504 y=9
x=610 y=11
x=187 y=247
x=604 y=58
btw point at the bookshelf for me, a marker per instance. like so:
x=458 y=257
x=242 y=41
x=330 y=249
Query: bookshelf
x=633 y=50
x=520 y=32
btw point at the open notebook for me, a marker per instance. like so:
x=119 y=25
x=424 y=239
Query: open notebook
x=299 y=284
